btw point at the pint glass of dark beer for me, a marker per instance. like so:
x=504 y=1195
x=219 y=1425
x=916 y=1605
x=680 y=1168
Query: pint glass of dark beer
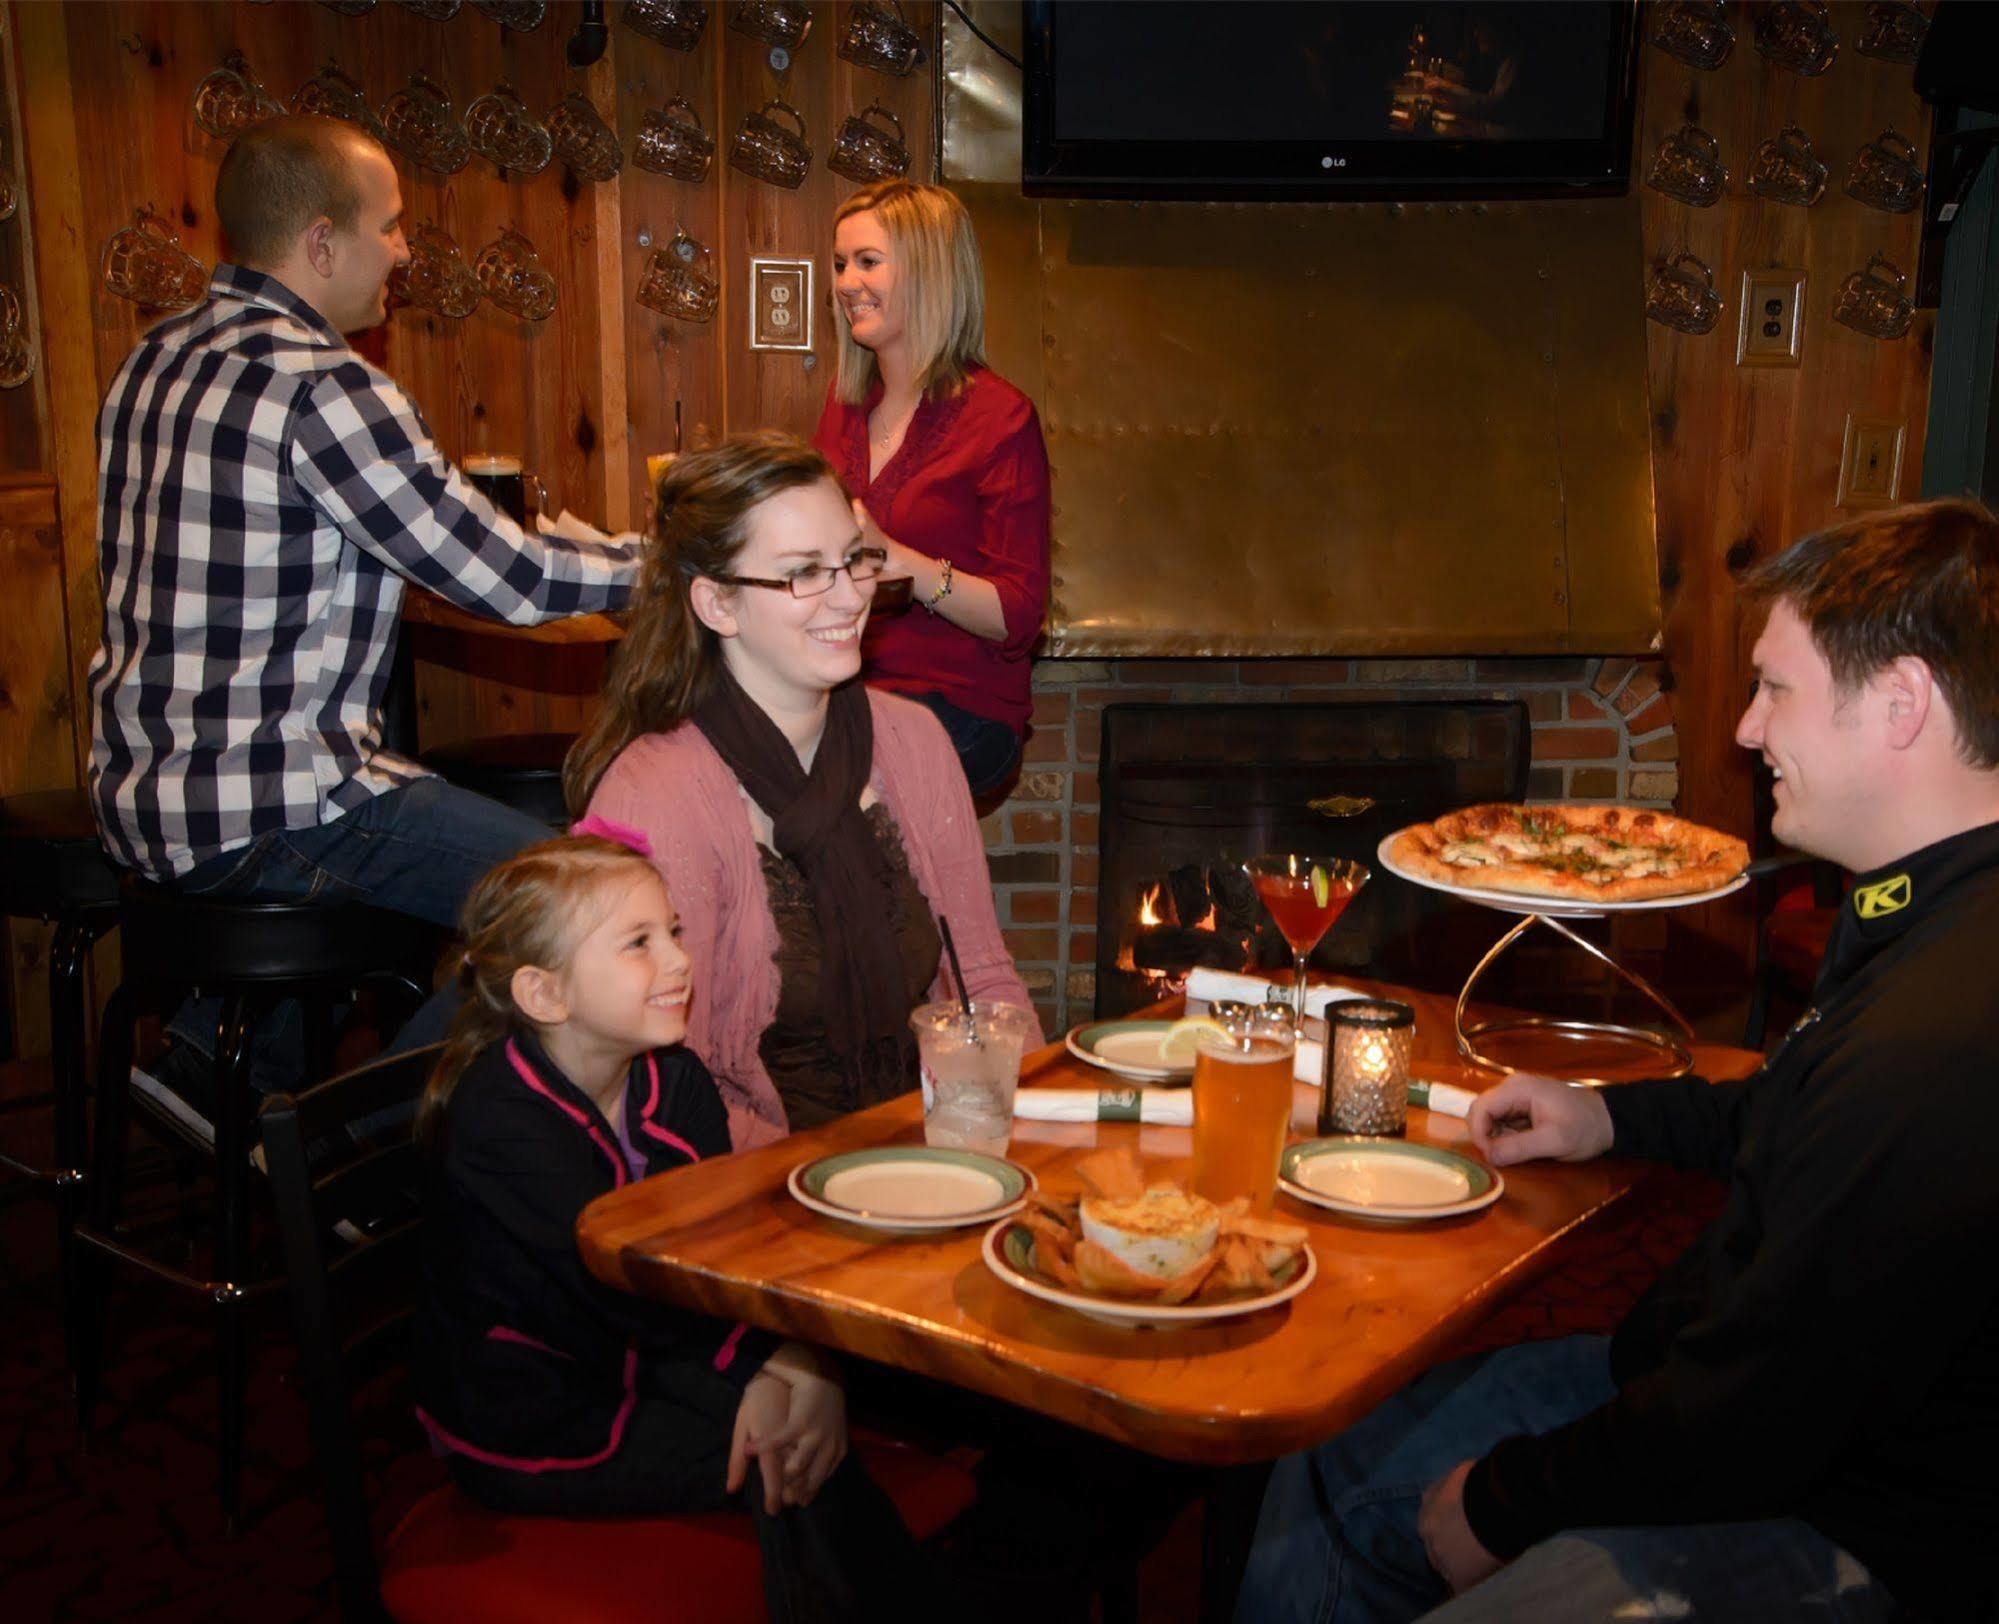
x=504 y=483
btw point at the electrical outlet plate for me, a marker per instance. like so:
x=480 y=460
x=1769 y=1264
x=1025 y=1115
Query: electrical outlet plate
x=780 y=304
x=1870 y=462
x=1771 y=329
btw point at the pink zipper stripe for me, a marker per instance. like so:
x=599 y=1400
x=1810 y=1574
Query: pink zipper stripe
x=647 y=1125
x=519 y=1463
x=619 y=1173
x=506 y=1333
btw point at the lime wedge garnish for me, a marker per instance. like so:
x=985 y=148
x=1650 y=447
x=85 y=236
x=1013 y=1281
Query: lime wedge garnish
x=1322 y=886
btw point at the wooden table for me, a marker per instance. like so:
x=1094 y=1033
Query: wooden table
x=726 y=1238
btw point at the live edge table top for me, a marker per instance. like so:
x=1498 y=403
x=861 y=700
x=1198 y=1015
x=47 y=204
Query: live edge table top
x=727 y=1238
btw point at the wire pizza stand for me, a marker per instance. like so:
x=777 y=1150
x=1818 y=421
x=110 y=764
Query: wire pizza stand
x=1659 y=1053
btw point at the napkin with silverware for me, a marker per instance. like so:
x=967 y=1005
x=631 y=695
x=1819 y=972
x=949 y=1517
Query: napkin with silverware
x=1170 y=1107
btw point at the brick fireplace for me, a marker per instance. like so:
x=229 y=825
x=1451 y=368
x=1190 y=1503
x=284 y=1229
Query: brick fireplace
x=1599 y=729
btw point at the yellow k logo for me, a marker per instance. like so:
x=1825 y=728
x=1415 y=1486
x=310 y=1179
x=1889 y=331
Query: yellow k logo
x=1882 y=897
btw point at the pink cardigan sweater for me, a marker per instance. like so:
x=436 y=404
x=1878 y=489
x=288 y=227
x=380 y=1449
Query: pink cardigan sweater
x=675 y=789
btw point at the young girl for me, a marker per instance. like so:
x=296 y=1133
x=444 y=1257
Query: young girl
x=551 y=1392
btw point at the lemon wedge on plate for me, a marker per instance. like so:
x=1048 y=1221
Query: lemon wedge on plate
x=1176 y=1048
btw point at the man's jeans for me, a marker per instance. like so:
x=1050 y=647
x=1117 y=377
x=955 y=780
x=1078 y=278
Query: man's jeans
x=987 y=750
x=416 y=850
x=1337 y=1537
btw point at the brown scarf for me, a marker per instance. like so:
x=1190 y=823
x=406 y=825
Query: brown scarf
x=817 y=823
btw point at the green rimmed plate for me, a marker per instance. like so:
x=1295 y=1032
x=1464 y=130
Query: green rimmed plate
x=1009 y=1253
x=909 y=1189
x=1386 y=1178
x=1129 y=1048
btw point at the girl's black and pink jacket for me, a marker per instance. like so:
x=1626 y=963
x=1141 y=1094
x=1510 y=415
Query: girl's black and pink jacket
x=523 y=1359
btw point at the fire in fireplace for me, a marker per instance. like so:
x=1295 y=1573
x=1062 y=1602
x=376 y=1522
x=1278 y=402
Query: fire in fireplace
x=1192 y=792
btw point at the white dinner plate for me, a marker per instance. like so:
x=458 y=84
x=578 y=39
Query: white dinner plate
x=1009 y=1254
x=1386 y=1178
x=1554 y=907
x=908 y=1189
x=1129 y=1048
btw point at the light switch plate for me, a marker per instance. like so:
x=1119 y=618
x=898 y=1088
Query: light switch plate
x=1870 y=462
x=1771 y=329
x=780 y=304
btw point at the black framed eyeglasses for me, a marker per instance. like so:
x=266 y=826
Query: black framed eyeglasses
x=816 y=580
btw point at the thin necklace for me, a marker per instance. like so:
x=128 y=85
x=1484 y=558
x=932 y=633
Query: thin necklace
x=895 y=428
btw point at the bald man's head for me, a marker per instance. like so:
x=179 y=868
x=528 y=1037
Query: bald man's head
x=281 y=176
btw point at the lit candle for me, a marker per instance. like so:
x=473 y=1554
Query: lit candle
x=1366 y=1085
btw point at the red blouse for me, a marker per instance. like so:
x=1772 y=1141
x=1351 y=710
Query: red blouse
x=969 y=483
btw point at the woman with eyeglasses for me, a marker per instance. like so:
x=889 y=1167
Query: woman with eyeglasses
x=947 y=465
x=809 y=829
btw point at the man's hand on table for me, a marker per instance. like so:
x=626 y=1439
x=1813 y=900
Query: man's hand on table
x=1452 y=1547
x=1527 y=1118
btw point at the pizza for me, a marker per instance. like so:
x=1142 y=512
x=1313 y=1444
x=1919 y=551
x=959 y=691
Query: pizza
x=1574 y=853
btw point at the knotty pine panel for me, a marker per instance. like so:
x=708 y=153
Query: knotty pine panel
x=1746 y=459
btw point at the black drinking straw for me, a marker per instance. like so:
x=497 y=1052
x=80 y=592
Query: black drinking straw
x=958 y=975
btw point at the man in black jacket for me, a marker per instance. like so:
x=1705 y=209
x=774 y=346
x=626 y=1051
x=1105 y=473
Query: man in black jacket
x=1799 y=1419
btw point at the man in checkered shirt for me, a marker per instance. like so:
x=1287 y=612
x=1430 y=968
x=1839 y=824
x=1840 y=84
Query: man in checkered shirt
x=264 y=495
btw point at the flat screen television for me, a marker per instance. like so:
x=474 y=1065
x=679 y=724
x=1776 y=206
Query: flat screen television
x=1279 y=99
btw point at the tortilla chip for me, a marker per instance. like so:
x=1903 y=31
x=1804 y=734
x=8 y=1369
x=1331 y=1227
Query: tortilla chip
x=1271 y=1230
x=1103 y=1270
x=1112 y=1174
x=1178 y=1291
x=1056 y=1265
x=1059 y=1236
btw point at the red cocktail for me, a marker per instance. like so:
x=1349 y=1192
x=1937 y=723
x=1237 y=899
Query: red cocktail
x=1304 y=896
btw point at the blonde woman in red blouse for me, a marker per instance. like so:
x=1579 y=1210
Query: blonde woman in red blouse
x=947 y=467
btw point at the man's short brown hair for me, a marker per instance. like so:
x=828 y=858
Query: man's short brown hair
x=278 y=178
x=1919 y=581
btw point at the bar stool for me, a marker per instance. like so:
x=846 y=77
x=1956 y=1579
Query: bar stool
x=52 y=868
x=251 y=955
x=521 y=770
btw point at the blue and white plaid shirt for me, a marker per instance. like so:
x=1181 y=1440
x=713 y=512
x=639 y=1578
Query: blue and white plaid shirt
x=262 y=493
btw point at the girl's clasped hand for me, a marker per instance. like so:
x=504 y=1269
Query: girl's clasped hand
x=793 y=1423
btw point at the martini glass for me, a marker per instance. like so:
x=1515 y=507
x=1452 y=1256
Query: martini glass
x=1304 y=894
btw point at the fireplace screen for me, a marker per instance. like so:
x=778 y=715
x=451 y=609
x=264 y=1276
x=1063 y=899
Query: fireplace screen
x=1192 y=792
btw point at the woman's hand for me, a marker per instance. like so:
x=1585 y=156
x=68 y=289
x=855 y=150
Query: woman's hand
x=814 y=1436
x=760 y=1421
x=903 y=562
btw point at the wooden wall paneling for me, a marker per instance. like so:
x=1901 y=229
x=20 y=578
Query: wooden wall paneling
x=36 y=695
x=773 y=388
x=36 y=702
x=1745 y=460
x=24 y=428
x=65 y=265
x=667 y=360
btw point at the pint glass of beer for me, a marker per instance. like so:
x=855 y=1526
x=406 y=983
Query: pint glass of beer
x=1242 y=1105
x=504 y=483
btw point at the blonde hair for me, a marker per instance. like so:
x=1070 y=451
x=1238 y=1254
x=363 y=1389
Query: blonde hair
x=663 y=664
x=279 y=177
x=530 y=910
x=939 y=281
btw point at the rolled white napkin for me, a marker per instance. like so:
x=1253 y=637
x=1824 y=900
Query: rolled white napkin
x=1204 y=987
x=1169 y=1107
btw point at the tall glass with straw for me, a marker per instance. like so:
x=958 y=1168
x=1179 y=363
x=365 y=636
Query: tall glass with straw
x=969 y=1050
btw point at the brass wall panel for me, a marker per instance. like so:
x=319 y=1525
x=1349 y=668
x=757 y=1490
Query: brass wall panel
x=981 y=94
x=1339 y=429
